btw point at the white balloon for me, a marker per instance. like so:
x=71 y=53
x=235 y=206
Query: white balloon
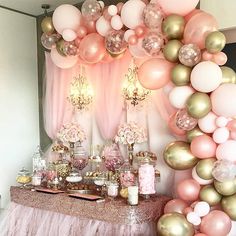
x=132 y=13
x=208 y=123
x=116 y=22
x=202 y=208
x=221 y=135
x=226 y=151
x=69 y=35
x=193 y=218
x=102 y=4
x=127 y=34
x=112 y=10
x=103 y=26
x=221 y=121
x=179 y=95
x=66 y=17
x=206 y=76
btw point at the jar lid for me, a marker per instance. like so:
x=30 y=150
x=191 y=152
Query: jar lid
x=24 y=171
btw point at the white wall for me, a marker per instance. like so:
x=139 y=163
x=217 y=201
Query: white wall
x=19 y=125
x=224 y=11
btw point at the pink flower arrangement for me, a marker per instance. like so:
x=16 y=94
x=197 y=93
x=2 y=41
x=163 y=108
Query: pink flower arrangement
x=130 y=133
x=71 y=133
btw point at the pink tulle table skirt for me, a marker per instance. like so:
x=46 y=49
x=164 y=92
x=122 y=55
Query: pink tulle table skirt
x=35 y=214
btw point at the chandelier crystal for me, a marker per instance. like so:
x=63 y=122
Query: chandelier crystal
x=81 y=93
x=133 y=91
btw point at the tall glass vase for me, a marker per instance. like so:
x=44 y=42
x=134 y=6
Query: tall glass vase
x=131 y=153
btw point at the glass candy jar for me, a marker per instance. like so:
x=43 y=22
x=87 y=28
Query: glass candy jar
x=80 y=158
x=23 y=177
x=146 y=176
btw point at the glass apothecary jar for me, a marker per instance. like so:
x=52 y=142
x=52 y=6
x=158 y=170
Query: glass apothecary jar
x=23 y=177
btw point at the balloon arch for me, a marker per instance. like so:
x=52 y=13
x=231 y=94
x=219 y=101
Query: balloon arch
x=176 y=43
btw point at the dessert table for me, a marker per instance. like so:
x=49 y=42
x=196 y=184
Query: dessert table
x=37 y=213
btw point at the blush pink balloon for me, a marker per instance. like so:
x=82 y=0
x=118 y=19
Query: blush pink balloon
x=187 y=210
x=216 y=223
x=182 y=7
x=175 y=205
x=198 y=27
x=191 y=14
x=220 y=58
x=233 y=135
x=140 y=31
x=82 y=31
x=92 y=48
x=200 y=180
x=221 y=135
x=116 y=22
x=132 y=40
x=119 y=7
x=226 y=151
x=208 y=123
x=90 y=26
x=174 y=128
x=221 y=121
x=206 y=56
x=137 y=50
x=232 y=125
x=203 y=147
x=69 y=35
x=155 y=73
x=106 y=15
x=188 y=190
x=77 y=42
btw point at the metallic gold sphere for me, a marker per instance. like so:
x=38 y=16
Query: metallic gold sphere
x=229 y=206
x=210 y=195
x=228 y=75
x=173 y=26
x=47 y=25
x=191 y=134
x=180 y=75
x=204 y=168
x=225 y=188
x=60 y=47
x=178 y=156
x=215 y=42
x=174 y=224
x=171 y=50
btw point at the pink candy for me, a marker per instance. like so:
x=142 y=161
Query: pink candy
x=127 y=179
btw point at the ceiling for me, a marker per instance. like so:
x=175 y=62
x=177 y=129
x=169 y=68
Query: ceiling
x=33 y=7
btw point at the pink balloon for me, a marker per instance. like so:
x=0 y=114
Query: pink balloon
x=174 y=128
x=69 y=35
x=208 y=123
x=92 y=48
x=226 y=151
x=180 y=7
x=132 y=40
x=223 y=100
x=119 y=6
x=66 y=16
x=220 y=58
x=221 y=135
x=198 y=27
x=206 y=56
x=137 y=50
x=188 y=190
x=200 y=234
x=90 y=26
x=127 y=34
x=175 y=205
x=192 y=13
x=63 y=62
x=112 y=10
x=187 y=210
x=203 y=147
x=106 y=15
x=232 y=125
x=155 y=73
x=77 y=42
x=222 y=122
x=82 y=31
x=140 y=31
x=216 y=223
x=103 y=26
x=116 y=22
x=233 y=135
x=200 y=180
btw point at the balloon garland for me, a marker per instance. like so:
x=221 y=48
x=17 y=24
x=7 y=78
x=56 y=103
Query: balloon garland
x=177 y=44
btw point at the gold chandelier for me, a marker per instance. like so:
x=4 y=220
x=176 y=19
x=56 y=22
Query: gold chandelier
x=81 y=93
x=133 y=91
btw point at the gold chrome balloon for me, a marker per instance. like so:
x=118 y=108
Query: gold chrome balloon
x=171 y=50
x=198 y=105
x=226 y=188
x=210 y=195
x=178 y=156
x=47 y=25
x=215 y=42
x=191 y=134
x=229 y=206
x=204 y=168
x=174 y=224
x=180 y=75
x=173 y=26
x=60 y=47
x=228 y=75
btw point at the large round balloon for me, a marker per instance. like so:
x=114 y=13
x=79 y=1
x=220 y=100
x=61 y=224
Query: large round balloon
x=181 y=7
x=188 y=189
x=215 y=42
x=62 y=61
x=226 y=151
x=224 y=99
x=175 y=205
x=66 y=16
x=103 y=26
x=226 y=188
x=180 y=75
x=92 y=48
x=210 y=195
x=168 y=224
x=208 y=123
x=178 y=156
x=171 y=50
x=47 y=25
x=155 y=73
x=132 y=13
x=204 y=168
x=229 y=206
x=216 y=223
x=206 y=76
x=198 y=27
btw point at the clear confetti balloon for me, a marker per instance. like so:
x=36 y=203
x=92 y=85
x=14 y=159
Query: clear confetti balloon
x=70 y=49
x=224 y=170
x=153 y=15
x=152 y=43
x=49 y=41
x=190 y=55
x=115 y=42
x=91 y=10
x=184 y=121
